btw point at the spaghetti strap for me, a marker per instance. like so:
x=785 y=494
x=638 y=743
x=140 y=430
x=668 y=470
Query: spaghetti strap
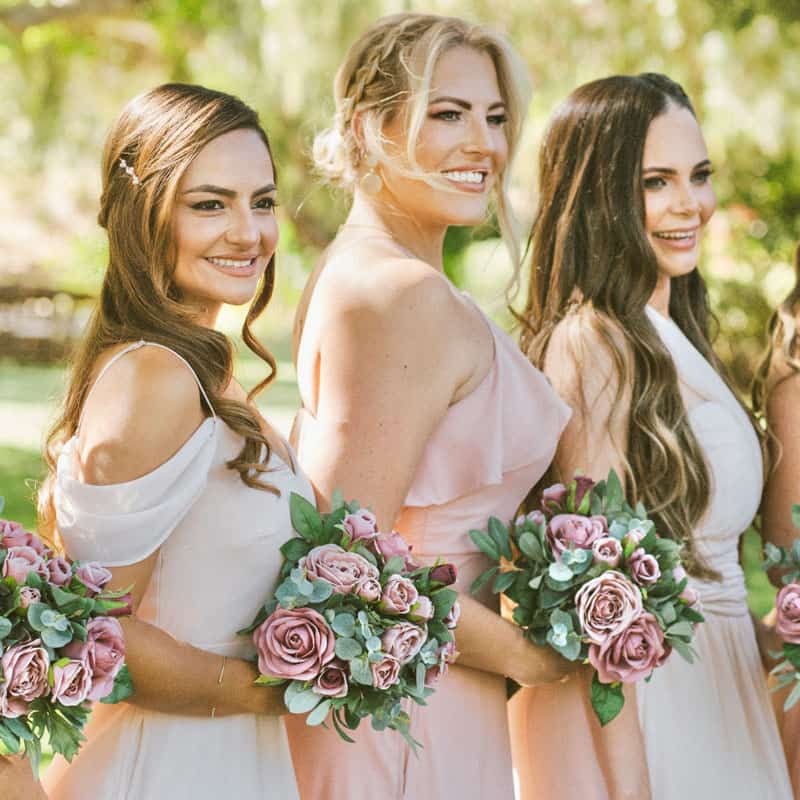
x=135 y=346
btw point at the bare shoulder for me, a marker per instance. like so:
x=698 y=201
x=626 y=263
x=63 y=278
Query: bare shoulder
x=139 y=413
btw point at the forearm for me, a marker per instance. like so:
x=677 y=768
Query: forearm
x=177 y=678
x=17 y=781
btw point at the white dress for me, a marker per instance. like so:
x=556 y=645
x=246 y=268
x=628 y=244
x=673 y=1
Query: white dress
x=708 y=727
x=218 y=562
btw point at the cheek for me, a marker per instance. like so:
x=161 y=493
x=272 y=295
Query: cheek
x=707 y=199
x=656 y=204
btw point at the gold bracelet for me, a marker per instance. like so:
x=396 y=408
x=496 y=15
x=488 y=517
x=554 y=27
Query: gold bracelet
x=219 y=683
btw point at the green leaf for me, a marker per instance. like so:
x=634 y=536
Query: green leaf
x=482 y=580
x=499 y=535
x=503 y=581
x=682 y=628
x=485 y=544
x=322 y=591
x=682 y=648
x=607 y=700
x=360 y=671
x=295 y=548
x=559 y=617
x=394 y=566
x=560 y=572
x=443 y=600
x=304 y=701
x=348 y=649
x=337 y=499
x=19 y=728
x=535 y=581
x=9 y=740
x=5 y=627
x=344 y=624
x=318 y=715
x=793 y=697
x=53 y=638
x=269 y=680
x=123 y=687
x=668 y=613
x=615 y=496
x=62 y=598
x=530 y=546
x=792 y=653
x=305 y=518
x=795 y=515
x=35 y=612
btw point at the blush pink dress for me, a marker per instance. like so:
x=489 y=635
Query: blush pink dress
x=708 y=727
x=487 y=452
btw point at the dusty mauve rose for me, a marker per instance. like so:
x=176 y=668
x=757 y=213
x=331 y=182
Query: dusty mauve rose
x=28 y=595
x=435 y=673
x=385 y=673
x=388 y=545
x=59 y=570
x=422 y=610
x=8 y=527
x=633 y=653
x=643 y=567
x=19 y=537
x=453 y=616
x=72 y=682
x=294 y=643
x=103 y=651
x=24 y=667
x=399 y=594
x=403 y=641
x=553 y=497
x=341 y=568
x=688 y=595
x=444 y=573
x=633 y=537
x=606 y=605
x=21 y=561
x=126 y=608
x=583 y=486
x=369 y=589
x=361 y=524
x=571 y=530
x=93 y=576
x=607 y=550
x=787 y=604
x=332 y=681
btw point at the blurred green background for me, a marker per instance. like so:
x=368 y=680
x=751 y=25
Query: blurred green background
x=66 y=69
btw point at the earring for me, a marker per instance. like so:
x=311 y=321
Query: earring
x=371 y=182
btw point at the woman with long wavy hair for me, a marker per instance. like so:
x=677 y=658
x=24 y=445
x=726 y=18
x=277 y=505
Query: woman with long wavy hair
x=413 y=401
x=617 y=317
x=161 y=467
x=776 y=394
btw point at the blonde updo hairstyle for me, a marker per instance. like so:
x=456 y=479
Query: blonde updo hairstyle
x=388 y=71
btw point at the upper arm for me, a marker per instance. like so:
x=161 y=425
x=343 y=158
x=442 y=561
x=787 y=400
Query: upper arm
x=582 y=367
x=386 y=378
x=783 y=484
x=137 y=416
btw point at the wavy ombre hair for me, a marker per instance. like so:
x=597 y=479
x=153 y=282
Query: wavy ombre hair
x=387 y=71
x=784 y=343
x=590 y=257
x=158 y=135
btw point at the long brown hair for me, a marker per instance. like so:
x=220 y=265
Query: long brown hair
x=157 y=136
x=590 y=256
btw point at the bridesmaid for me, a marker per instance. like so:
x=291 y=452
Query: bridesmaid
x=617 y=317
x=777 y=393
x=161 y=467
x=413 y=401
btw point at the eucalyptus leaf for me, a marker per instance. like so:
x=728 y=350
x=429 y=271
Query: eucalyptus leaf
x=303 y=702
x=55 y=638
x=793 y=697
x=535 y=581
x=321 y=592
x=318 y=715
x=5 y=627
x=559 y=571
x=681 y=628
x=360 y=671
x=795 y=515
x=347 y=649
x=344 y=624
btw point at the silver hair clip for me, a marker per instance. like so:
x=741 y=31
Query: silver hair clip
x=123 y=164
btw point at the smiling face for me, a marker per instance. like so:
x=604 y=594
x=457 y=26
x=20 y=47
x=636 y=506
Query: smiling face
x=224 y=223
x=678 y=196
x=462 y=144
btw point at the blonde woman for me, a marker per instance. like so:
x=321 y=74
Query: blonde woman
x=617 y=316
x=777 y=393
x=162 y=469
x=413 y=401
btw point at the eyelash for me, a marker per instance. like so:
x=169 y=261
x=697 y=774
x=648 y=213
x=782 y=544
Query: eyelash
x=216 y=205
x=658 y=182
x=451 y=115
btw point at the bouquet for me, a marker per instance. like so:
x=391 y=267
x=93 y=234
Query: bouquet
x=60 y=646
x=355 y=626
x=787 y=606
x=592 y=579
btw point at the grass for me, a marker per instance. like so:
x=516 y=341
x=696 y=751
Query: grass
x=20 y=470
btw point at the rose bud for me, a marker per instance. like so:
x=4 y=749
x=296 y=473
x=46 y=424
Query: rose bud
x=607 y=550
x=644 y=568
x=553 y=498
x=422 y=610
x=445 y=574
x=362 y=524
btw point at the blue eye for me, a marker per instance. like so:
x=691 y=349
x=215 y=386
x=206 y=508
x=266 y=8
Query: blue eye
x=448 y=116
x=207 y=205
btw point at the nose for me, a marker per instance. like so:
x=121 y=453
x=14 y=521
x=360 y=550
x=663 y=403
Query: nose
x=479 y=138
x=243 y=230
x=686 y=200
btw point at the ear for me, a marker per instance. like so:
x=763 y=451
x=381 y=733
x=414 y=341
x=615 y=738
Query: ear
x=357 y=128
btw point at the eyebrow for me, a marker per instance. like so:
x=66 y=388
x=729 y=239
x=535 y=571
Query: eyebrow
x=670 y=171
x=465 y=104
x=211 y=189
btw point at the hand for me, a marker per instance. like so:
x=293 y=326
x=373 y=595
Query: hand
x=543 y=665
x=17 y=781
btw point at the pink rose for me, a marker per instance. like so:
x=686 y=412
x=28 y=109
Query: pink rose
x=388 y=545
x=93 y=576
x=553 y=497
x=103 y=651
x=24 y=667
x=369 y=590
x=422 y=610
x=643 y=567
x=361 y=524
x=71 y=683
x=18 y=537
x=446 y=655
x=399 y=594
x=633 y=537
x=403 y=641
x=28 y=595
x=583 y=486
x=332 y=681
x=21 y=561
x=294 y=643
x=59 y=570
x=678 y=573
x=453 y=616
x=385 y=673
x=445 y=574
x=787 y=604
x=341 y=568
x=688 y=595
x=607 y=550
x=8 y=528
x=567 y=531
x=606 y=605
x=633 y=653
